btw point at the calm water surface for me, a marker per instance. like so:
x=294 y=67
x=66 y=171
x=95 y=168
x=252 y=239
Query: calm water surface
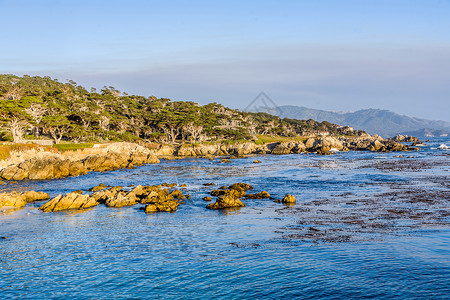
x=107 y=253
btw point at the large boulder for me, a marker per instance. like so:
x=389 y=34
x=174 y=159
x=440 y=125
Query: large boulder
x=240 y=186
x=165 y=206
x=299 y=147
x=117 y=197
x=283 y=148
x=226 y=201
x=72 y=200
x=288 y=198
x=162 y=201
x=120 y=200
x=327 y=143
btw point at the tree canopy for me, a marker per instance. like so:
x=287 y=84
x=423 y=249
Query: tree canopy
x=68 y=111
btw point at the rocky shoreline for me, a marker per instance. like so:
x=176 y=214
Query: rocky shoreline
x=48 y=165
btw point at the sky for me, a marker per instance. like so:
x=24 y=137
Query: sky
x=325 y=54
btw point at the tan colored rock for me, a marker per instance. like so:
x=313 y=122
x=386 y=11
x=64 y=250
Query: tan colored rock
x=237 y=193
x=121 y=200
x=13 y=199
x=140 y=191
x=166 y=206
x=150 y=208
x=158 y=196
x=299 y=147
x=288 y=199
x=260 y=195
x=16 y=199
x=69 y=201
x=177 y=194
x=99 y=187
x=207 y=198
x=283 y=148
x=240 y=186
x=256 y=161
x=32 y=196
x=309 y=143
x=226 y=202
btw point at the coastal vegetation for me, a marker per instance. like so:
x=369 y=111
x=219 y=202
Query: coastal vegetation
x=33 y=108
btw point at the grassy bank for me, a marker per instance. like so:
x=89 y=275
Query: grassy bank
x=7 y=148
x=72 y=147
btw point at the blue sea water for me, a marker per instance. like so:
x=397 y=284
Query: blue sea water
x=249 y=253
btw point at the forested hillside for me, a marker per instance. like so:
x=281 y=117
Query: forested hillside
x=41 y=107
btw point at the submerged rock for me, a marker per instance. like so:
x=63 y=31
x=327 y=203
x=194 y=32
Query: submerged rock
x=226 y=201
x=69 y=201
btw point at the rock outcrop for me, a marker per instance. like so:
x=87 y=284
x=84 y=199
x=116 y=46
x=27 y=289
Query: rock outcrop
x=165 y=206
x=45 y=165
x=226 y=201
x=48 y=165
x=404 y=139
x=72 y=200
x=288 y=199
x=15 y=199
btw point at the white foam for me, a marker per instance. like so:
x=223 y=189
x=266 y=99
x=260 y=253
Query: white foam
x=444 y=146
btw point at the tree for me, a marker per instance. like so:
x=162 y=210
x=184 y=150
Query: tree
x=171 y=132
x=57 y=126
x=57 y=132
x=16 y=127
x=194 y=131
x=15 y=92
x=103 y=122
x=37 y=112
x=122 y=125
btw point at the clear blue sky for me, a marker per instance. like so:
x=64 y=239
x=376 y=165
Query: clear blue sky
x=336 y=55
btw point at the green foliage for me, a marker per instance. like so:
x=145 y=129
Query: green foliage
x=110 y=115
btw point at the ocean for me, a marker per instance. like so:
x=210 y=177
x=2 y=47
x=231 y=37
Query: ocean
x=365 y=225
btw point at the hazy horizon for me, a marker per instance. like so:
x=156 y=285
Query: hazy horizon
x=338 y=56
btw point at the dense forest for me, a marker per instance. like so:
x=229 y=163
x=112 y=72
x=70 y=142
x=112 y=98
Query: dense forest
x=41 y=108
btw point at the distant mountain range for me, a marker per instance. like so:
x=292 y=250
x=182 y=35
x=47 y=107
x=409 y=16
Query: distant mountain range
x=374 y=121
